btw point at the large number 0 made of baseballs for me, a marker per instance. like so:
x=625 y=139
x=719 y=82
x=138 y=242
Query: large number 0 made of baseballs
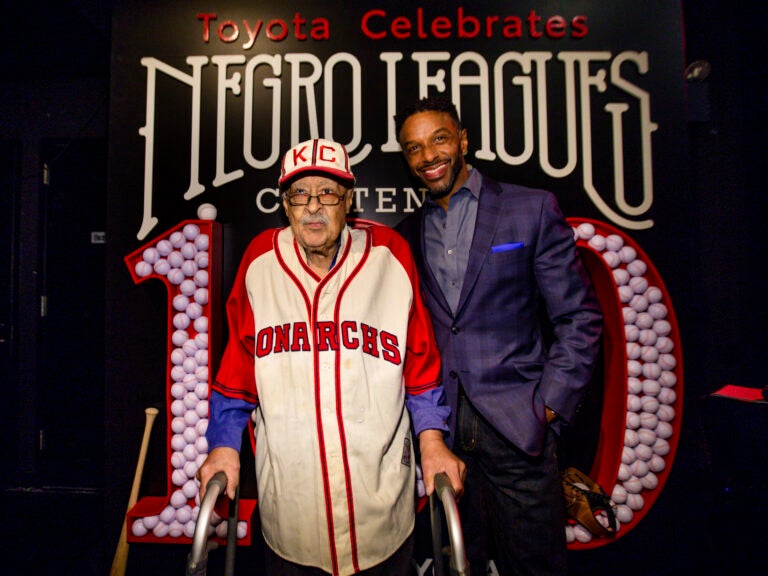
x=643 y=372
x=640 y=420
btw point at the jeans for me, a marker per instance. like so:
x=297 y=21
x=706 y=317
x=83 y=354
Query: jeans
x=512 y=510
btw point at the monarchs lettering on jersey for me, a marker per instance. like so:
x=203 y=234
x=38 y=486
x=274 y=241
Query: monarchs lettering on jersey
x=350 y=335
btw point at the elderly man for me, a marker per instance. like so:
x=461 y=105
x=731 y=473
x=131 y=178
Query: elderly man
x=329 y=342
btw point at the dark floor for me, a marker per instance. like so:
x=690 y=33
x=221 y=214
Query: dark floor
x=709 y=519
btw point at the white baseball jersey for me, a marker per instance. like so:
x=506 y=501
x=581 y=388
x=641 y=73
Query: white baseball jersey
x=329 y=361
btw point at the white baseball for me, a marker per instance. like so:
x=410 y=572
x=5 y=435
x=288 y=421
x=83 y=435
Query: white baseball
x=586 y=230
x=138 y=528
x=143 y=269
x=177 y=239
x=614 y=242
x=207 y=212
x=597 y=242
x=611 y=258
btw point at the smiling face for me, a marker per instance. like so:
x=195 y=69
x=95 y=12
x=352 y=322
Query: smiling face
x=434 y=148
x=317 y=226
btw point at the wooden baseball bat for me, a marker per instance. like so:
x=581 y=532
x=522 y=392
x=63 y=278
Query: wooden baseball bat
x=120 y=561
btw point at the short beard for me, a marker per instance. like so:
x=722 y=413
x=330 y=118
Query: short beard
x=438 y=193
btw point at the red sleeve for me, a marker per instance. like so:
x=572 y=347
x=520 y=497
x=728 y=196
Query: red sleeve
x=235 y=377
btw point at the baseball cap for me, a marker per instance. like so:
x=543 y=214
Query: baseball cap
x=316 y=155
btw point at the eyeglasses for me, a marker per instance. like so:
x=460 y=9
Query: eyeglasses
x=302 y=198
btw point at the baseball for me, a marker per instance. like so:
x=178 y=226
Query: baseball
x=633 y=486
x=138 y=528
x=638 y=284
x=597 y=242
x=188 y=286
x=569 y=537
x=207 y=212
x=164 y=247
x=178 y=425
x=656 y=464
x=178 y=499
x=638 y=302
x=201 y=259
x=666 y=413
x=175 y=259
x=633 y=350
x=612 y=259
x=175 y=276
x=614 y=242
x=181 y=320
x=650 y=404
x=620 y=276
x=664 y=430
x=667 y=362
x=177 y=442
x=201 y=296
x=184 y=513
x=627 y=254
x=189 y=433
x=654 y=294
x=585 y=230
x=648 y=337
x=646 y=436
x=629 y=314
x=624 y=472
x=642 y=452
x=143 y=269
x=667 y=379
x=664 y=344
x=201 y=278
x=635 y=501
x=651 y=387
x=177 y=239
x=661 y=447
x=637 y=267
x=161 y=267
x=624 y=513
x=189 y=529
x=178 y=460
x=191 y=231
x=650 y=481
x=634 y=385
x=188 y=250
x=202 y=242
x=644 y=321
x=648 y=420
x=630 y=439
x=177 y=408
x=658 y=310
x=667 y=396
x=634 y=368
x=648 y=353
x=189 y=267
x=161 y=530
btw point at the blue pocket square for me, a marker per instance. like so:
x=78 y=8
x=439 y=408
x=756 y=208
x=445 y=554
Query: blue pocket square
x=506 y=247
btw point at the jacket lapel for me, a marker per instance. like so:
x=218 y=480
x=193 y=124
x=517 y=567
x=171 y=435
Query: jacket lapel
x=488 y=212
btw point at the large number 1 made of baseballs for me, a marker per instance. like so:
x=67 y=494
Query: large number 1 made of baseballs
x=642 y=391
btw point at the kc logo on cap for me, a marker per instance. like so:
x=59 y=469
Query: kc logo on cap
x=316 y=155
